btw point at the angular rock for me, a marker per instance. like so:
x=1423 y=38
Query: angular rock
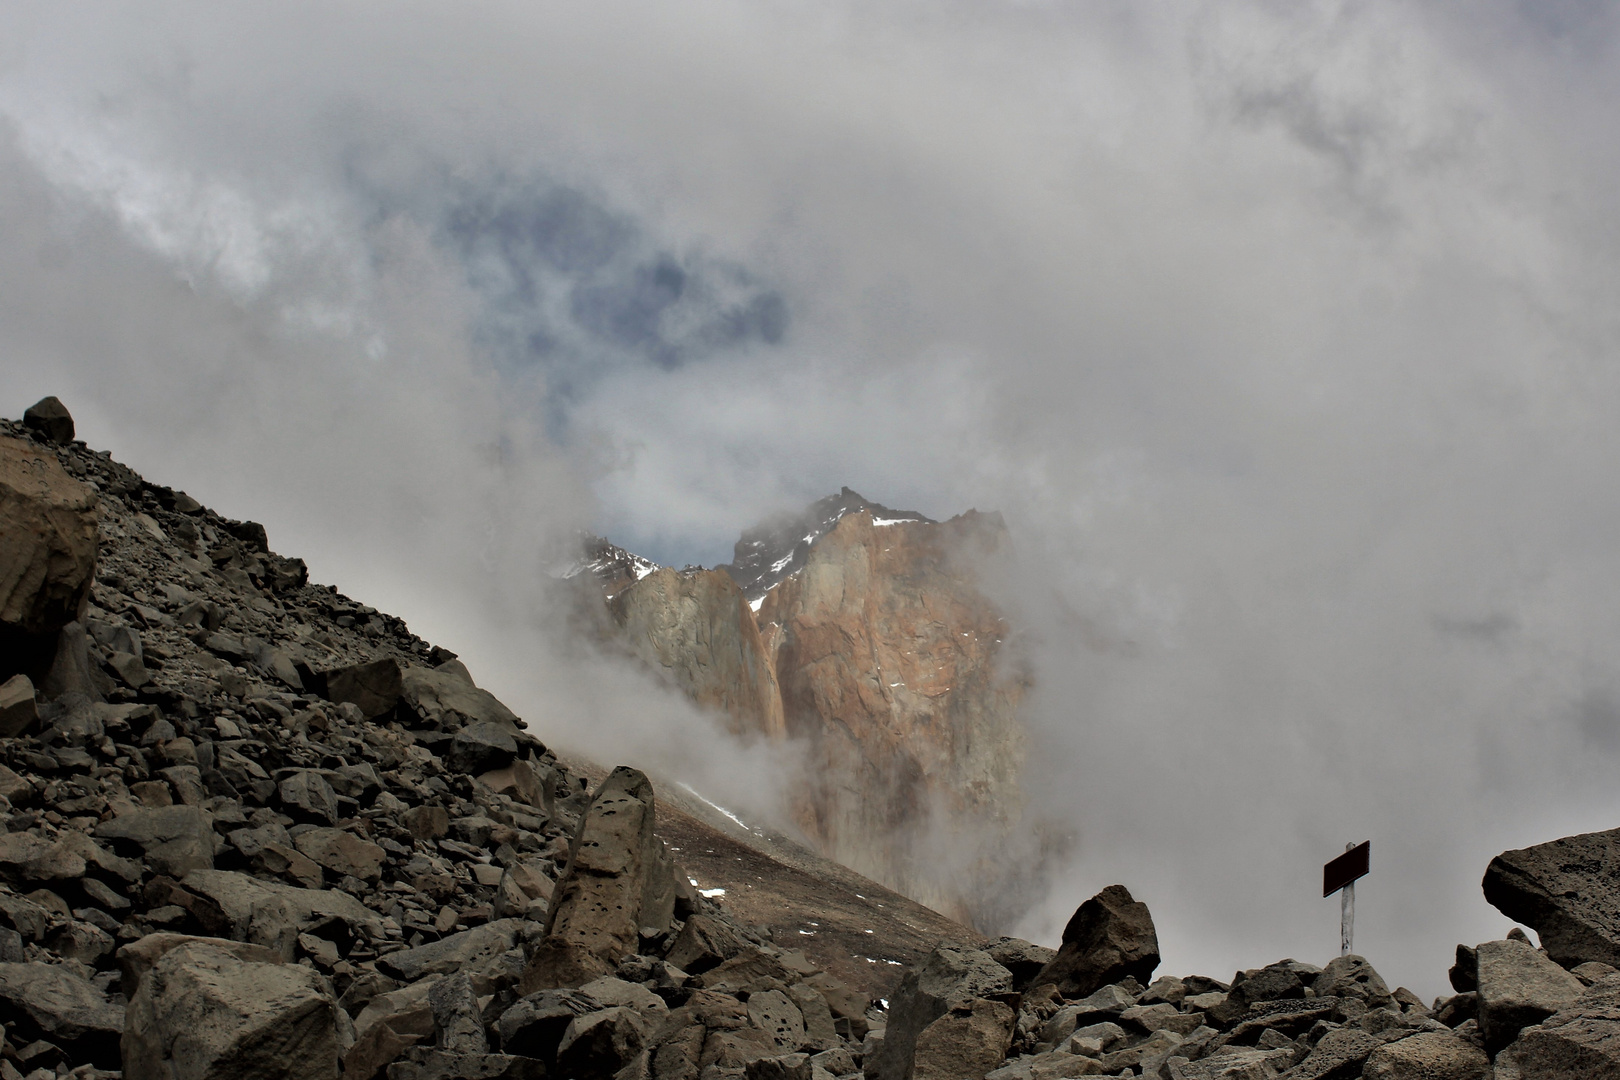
x=1579 y=1042
x=1352 y=977
x=819 y=1027
x=271 y=914
x=202 y=1012
x=343 y=853
x=481 y=747
x=50 y=420
x=17 y=711
x=307 y=796
x=1110 y=937
x=1432 y=1055
x=406 y=1010
x=1231 y=1065
x=1568 y=891
x=782 y=1067
x=48 y=540
x=446 y=699
x=965 y=1043
x=176 y=839
x=142 y=955
x=619 y=879
x=951 y=975
x=523 y=782
x=43 y=1001
x=1339 y=1053
x=601 y=1043
x=373 y=1051
x=373 y=687
x=1592 y=972
x=29 y=857
x=704 y=943
x=425 y=1064
x=456 y=1017
x=468 y=950
x=749 y=971
x=1518 y=987
x=426 y=822
x=534 y=1025
x=610 y=991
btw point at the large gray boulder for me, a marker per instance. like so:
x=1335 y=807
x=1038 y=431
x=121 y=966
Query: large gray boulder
x=1110 y=936
x=446 y=698
x=48 y=539
x=43 y=1001
x=1352 y=976
x=1518 y=987
x=619 y=879
x=202 y=1013
x=952 y=976
x=373 y=687
x=469 y=950
x=966 y=1043
x=1428 y=1055
x=1579 y=1042
x=271 y=914
x=175 y=839
x=1568 y=890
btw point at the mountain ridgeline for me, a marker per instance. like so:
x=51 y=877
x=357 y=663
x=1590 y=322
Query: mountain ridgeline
x=861 y=635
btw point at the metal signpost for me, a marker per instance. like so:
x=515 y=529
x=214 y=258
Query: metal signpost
x=1342 y=873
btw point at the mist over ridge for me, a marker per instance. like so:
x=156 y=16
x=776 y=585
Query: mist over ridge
x=1281 y=338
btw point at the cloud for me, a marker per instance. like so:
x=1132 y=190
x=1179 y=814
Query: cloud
x=1281 y=334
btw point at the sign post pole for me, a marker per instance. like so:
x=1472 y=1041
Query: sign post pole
x=1339 y=876
x=1347 y=913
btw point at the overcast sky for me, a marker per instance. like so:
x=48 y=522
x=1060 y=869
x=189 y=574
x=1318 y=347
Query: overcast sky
x=1283 y=334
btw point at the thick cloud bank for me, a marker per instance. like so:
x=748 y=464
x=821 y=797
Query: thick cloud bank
x=1283 y=335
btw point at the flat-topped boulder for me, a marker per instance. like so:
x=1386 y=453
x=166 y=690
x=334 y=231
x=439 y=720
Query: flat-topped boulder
x=1568 y=891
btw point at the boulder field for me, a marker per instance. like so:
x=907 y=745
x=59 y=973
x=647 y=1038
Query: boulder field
x=253 y=828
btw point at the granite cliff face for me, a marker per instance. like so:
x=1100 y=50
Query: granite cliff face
x=891 y=667
x=859 y=633
x=695 y=628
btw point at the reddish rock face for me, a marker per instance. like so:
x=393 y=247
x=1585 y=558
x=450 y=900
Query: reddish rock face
x=882 y=659
x=890 y=666
x=695 y=628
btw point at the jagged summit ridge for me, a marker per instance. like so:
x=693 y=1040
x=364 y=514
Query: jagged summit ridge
x=613 y=567
x=777 y=548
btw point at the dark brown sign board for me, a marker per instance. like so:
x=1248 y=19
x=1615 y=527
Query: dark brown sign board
x=1346 y=868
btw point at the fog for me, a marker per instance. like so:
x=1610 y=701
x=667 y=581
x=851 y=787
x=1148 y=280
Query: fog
x=1282 y=335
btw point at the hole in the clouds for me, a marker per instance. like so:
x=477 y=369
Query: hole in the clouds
x=581 y=290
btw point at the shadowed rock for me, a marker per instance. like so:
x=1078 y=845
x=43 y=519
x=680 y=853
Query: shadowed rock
x=42 y=1001
x=1110 y=937
x=50 y=420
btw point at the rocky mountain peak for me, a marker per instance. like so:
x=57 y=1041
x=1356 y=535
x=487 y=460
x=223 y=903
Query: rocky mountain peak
x=613 y=567
x=777 y=548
